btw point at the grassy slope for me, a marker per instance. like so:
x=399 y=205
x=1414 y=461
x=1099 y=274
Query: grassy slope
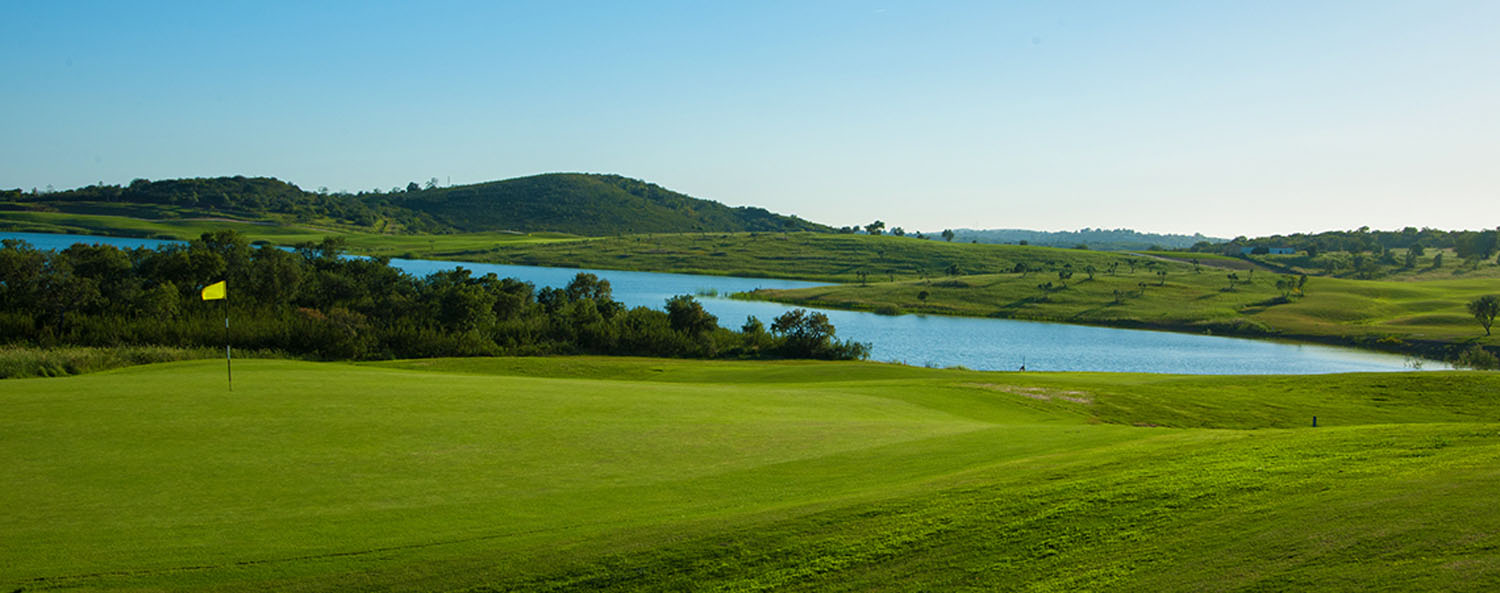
x=588 y=473
x=808 y=256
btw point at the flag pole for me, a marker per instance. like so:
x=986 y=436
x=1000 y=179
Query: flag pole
x=228 y=366
x=218 y=291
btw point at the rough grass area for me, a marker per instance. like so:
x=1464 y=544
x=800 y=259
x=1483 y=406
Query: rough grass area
x=17 y=361
x=564 y=474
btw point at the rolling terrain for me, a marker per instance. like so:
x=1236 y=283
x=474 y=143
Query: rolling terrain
x=588 y=204
x=580 y=473
x=567 y=203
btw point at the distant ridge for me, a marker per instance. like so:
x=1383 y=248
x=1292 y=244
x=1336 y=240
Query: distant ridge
x=589 y=204
x=1100 y=239
x=574 y=203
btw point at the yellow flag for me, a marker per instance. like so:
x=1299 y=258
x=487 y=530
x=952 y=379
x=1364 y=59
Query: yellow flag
x=215 y=291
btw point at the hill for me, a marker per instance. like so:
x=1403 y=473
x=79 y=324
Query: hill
x=260 y=199
x=618 y=474
x=574 y=203
x=589 y=204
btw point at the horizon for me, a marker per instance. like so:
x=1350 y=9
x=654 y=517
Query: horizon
x=399 y=189
x=1231 y=120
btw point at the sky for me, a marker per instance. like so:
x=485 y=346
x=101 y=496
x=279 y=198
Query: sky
x=1224 y=118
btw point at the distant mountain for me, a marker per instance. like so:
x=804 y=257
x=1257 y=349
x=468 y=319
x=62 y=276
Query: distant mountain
x=577 y=203
x=1100 y=239
x=589 y=204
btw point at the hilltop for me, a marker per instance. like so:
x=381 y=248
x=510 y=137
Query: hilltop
x=589 y=204
x=573 y=203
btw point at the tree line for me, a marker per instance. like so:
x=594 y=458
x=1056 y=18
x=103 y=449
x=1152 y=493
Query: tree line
x=1466 y=244
x=317 y=303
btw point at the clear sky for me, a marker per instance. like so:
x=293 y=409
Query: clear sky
x=1225 y=118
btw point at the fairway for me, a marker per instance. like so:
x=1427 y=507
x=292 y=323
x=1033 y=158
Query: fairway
x=589 y=473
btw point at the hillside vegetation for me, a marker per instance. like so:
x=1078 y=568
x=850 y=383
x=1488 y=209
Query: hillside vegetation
x=574 y=203
x=587 y=204
x=618 y=474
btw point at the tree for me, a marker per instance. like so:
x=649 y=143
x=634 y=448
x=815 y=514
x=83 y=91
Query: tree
x=411 y=187
x=898 y=231
x=685 y=314
x=948 y=235
x=875 y=228
x=1484 y=310
x=432 y=183
x=1090 y=269
x=810 y=335
x=1286 y=284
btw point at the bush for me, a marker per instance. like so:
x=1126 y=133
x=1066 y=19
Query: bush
x=1477 y=358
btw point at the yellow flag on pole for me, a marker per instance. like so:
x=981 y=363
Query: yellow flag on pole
x=215 y=291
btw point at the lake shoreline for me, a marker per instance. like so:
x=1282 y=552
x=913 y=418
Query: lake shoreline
x=1433 y=351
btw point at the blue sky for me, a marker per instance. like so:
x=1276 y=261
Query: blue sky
x=1225 y=118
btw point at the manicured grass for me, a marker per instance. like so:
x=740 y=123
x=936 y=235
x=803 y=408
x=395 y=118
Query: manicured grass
x=644 y=474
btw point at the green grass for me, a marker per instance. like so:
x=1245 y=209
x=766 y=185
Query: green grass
x=642 y=474
x=806 y=256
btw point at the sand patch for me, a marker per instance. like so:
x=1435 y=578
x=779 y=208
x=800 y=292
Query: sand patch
x=1041 y=393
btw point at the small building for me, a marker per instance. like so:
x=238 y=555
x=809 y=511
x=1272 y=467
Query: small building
x=1267 y=251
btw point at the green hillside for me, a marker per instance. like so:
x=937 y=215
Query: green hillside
x=807 y=256
x=573 y=203
x=589 y=474
x=589 y=204
x=261 y=200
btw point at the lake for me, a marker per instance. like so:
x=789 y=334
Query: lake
x=984 y=344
